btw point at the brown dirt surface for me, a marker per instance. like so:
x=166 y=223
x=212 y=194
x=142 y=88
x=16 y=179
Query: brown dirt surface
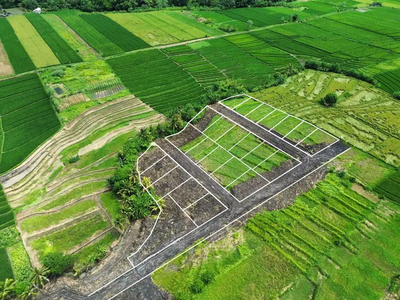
x=71 y=100
x=5 y=66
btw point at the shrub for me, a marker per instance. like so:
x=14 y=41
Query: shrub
x=342 y=174
x=396 y=95
x=57 y=263
x=376 y=4
x=228 y=28
x=73 y=159
x=197 y=286
x=207 y=277
x=330 y=99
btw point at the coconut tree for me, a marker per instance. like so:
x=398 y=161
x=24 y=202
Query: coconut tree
x=39 y=277
x=7 y=289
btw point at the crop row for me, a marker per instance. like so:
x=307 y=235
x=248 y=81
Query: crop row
x=94 y=38
x=156 y=79
x=28 y=118
x=115 y=32
x=60 y=48
x=390 y=188
x=16 y=53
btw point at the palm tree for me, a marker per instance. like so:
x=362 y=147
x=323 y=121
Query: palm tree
x=29 y=292
x=7 y=289
x=39 y=277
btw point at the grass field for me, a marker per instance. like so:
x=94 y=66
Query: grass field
x=19 y=58
x=331 y=243
x=158 y=28
x=156 y=79
x=35 y=46
x=72 y=39
x=360 y=118
x=58 y=45
x=89 y=34
x=230 y=154
x=389 y=187
x=115 y=32
x=23 y=131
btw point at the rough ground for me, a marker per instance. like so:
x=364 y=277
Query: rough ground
x=149 y=257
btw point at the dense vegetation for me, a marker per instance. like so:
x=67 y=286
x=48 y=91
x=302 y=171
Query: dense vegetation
x=27 y=118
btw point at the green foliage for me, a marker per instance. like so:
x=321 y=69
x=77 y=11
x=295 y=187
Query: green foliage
x=16 y=53
x=57 y=263
x=73 y=159
x=330 y=99
x=9 y=236
x=227 y=28
x=60 y=48
x=396 y=95
x=389 y=187
x=115 y=32
x=336 y=68
x=20 y=262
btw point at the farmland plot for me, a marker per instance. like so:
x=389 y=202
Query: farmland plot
x=35 y=46
x=60 y=47
x=158 y=28
x=5 y=65
x=360 y=118
x=156 y=79
x=16 y=53
x=115 y=32
x=76 y=43
x=94 y=38
x=23 y=130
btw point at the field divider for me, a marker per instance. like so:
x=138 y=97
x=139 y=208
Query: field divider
x=193 y=203
x=175 y=188
x=279 y=123
x=307 y=136
x=165 y=174
x=154 y=163
x=292 y=130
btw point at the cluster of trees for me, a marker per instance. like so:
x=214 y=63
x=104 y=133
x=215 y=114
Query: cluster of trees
x=130 y=5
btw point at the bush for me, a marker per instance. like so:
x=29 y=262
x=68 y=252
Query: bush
x=376 y=4
x=207 y=277
x=57 y=263
x=227 y=28
x=330 y=99
x=396 y=95
x=73 y=159
x=197 y=286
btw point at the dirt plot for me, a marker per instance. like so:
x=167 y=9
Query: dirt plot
x=147 y=161
x=5 y=66
x=159 y=169
x=188 y=193
x=203 y=210
x=171 y=181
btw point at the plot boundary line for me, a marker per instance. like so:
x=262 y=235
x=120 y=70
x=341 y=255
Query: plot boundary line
x=222 y=228
x=283 y=139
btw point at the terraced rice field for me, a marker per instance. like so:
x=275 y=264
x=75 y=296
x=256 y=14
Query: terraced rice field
x=159 y=28
x=27 y=119
x=17 y=55
x=61 y=200
x=332 y=242
x=34 y=45
x=390 y=187
x=360 y=118
x=156 y=79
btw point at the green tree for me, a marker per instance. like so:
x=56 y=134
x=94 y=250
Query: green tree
x=249 y=24
x=330 y=99
x=176 y=122
x=28 y=292
x=7 y=289
x=39 y=277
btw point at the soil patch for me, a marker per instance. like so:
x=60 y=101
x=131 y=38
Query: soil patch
x=5 y=66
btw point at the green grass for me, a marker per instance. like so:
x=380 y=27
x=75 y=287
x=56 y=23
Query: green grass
x=238 y=145
x=35 y=46
x=115 y=32
x=156 y=80
x=111 y=204
x=89 y=34
x=63 y=30
x=19 y=58
x=39 y=222
x=6 y=269
x=66 y=239
x=308 y=249
x=20 y=262
x=76 y=193
x=23 y=130
x=58 y=45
